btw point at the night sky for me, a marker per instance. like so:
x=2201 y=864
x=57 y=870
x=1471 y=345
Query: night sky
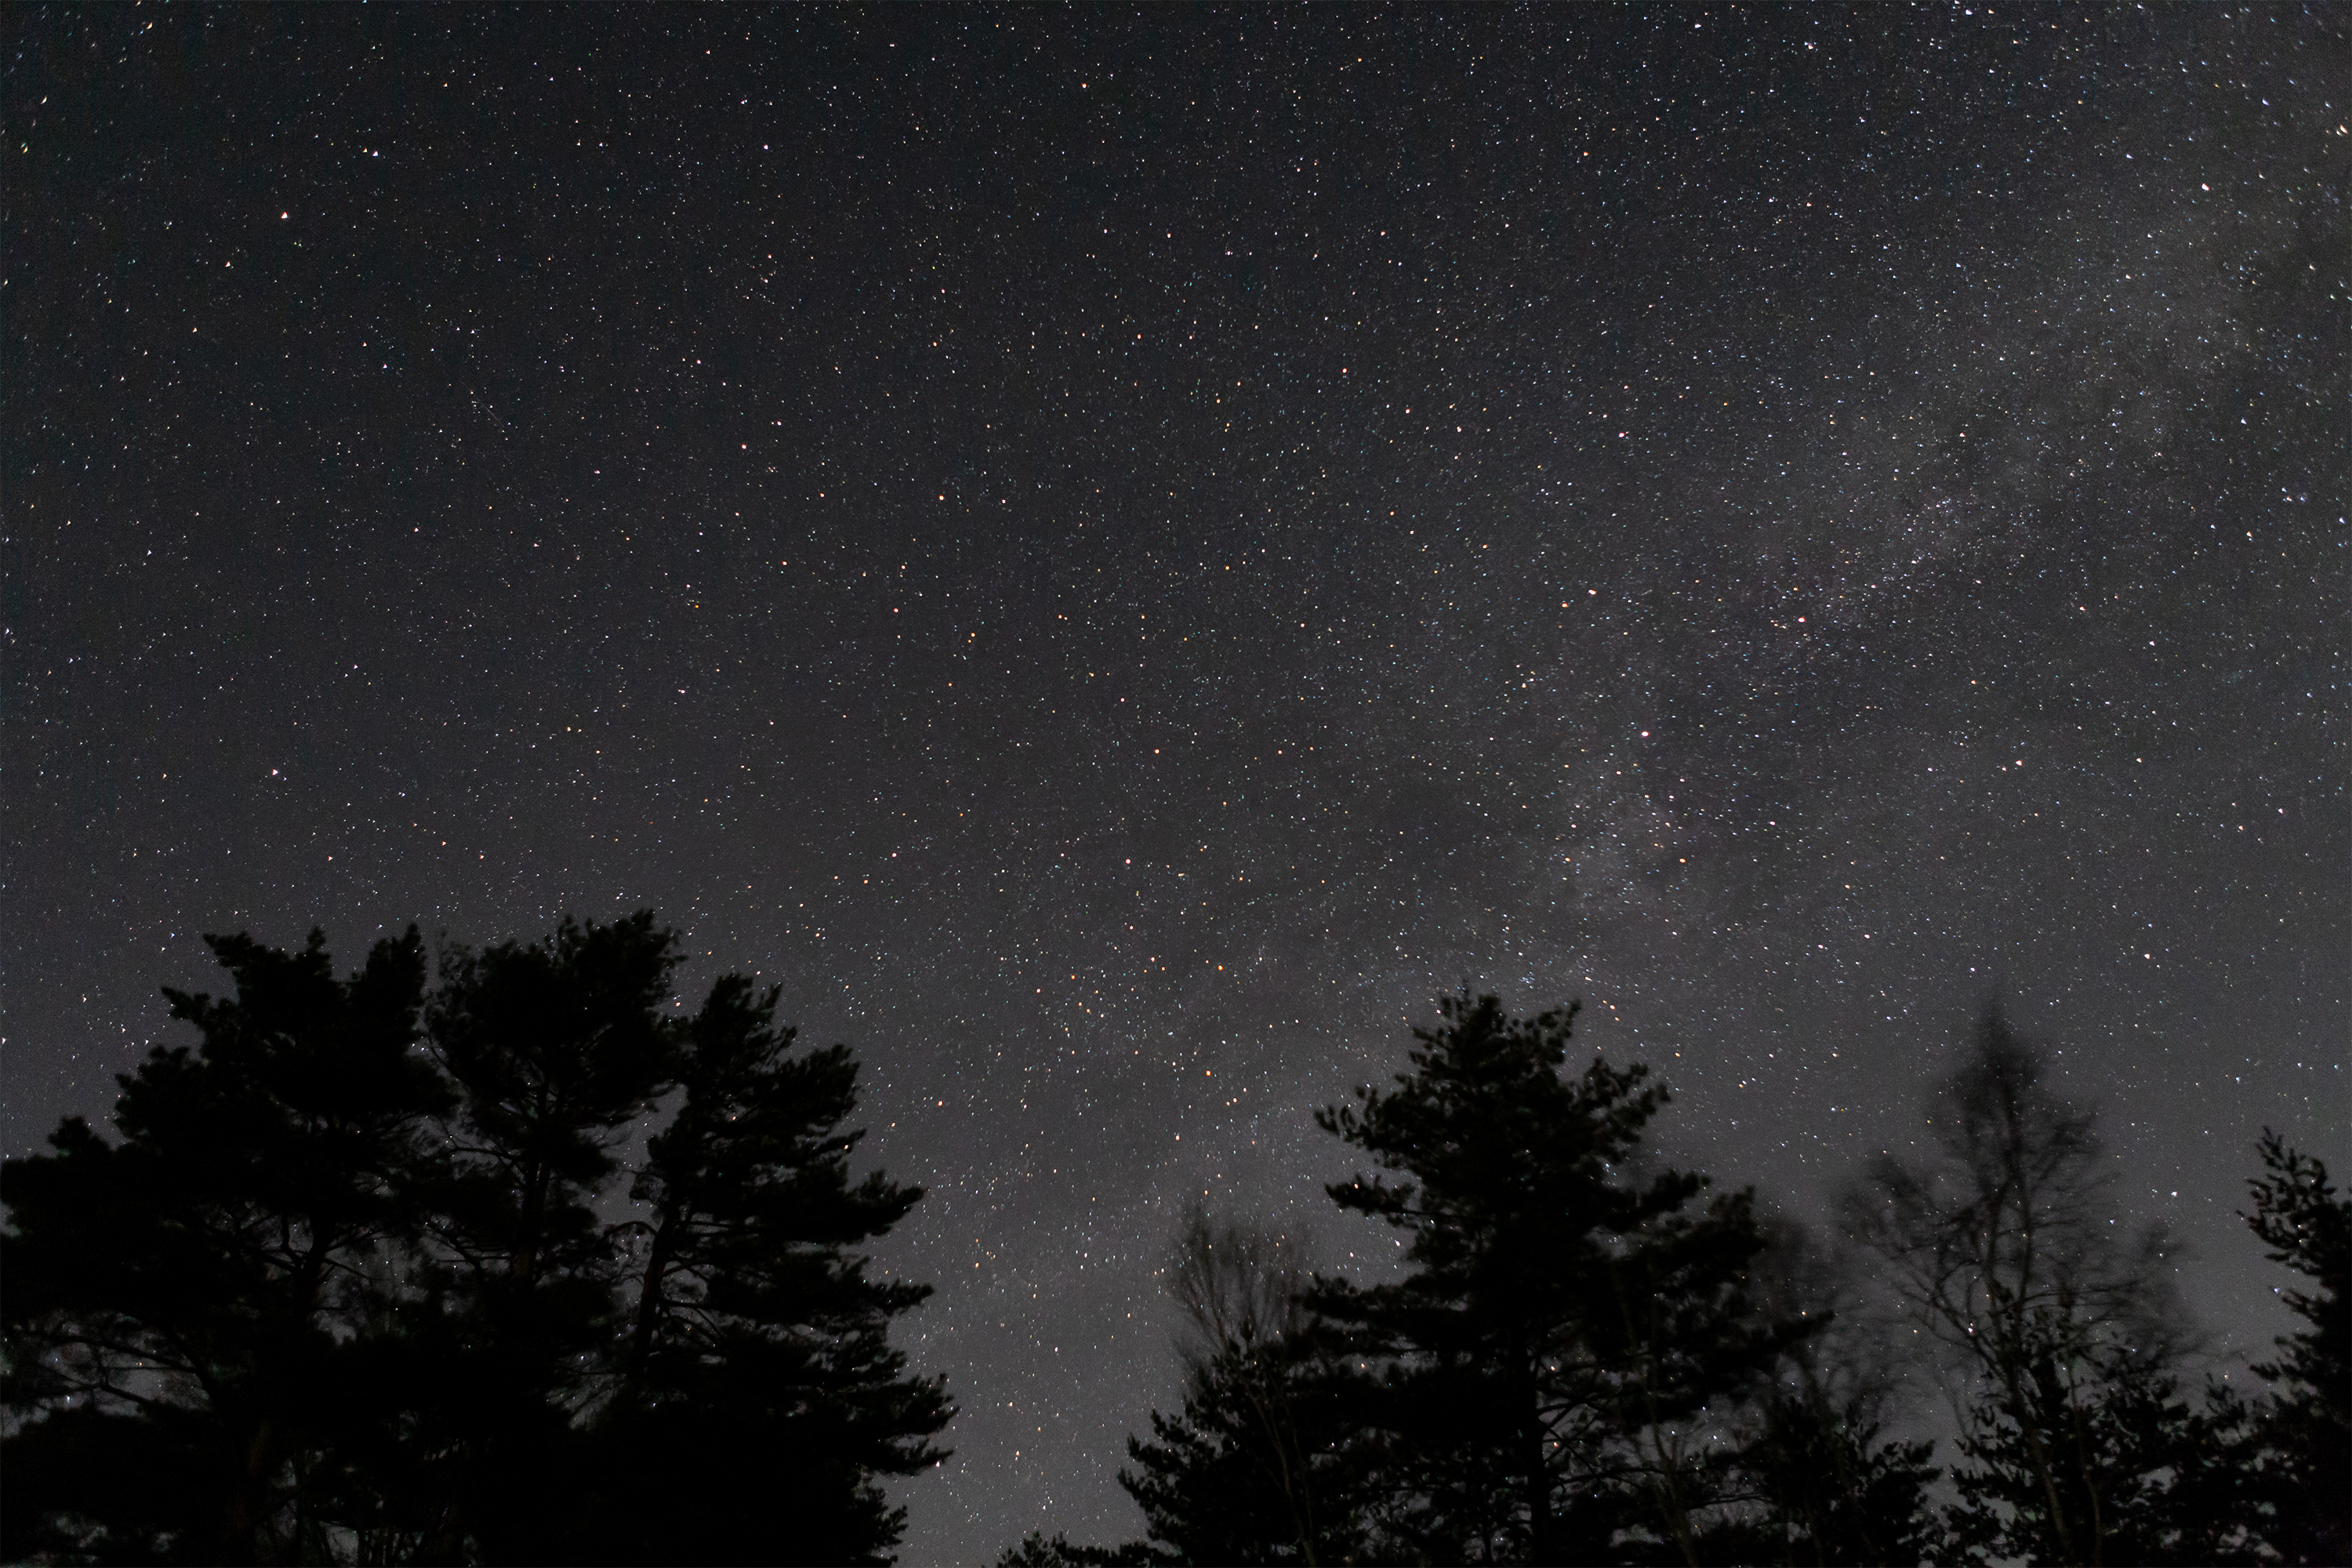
x=1119 y=555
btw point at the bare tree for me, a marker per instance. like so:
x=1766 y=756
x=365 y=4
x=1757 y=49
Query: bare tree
x=1238 y=1287
x=1824 y=1480
x=1801 y=1276
x=2005 y=1250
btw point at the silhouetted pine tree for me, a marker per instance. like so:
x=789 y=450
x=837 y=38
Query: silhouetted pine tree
x=759 y=1397
x=557 y=1048
x=1263 y=1462
x=1038 y=1550
x=2301 y=1451
x=323 y=1303
x=184 y=1307
x=1828 y=1489
x=2099 y=1438
x=1267 y=1462
x=1547 y=1369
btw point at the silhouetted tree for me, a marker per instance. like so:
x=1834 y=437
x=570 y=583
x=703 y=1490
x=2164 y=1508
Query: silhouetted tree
x=557 y=1049
x=1256 y=1390
x=1212 y=1480
x=2099 y=1437
x=324 y=1302
x=1264 y=1461
x=760 y=1395
x=2005 y=1254
x=1829 y=1490
x=1582 y=1365
x=2300 y=1453
x=556 y=1046
x=1038 y=1550
x=1824 y=1484
x=1548 y=1367
x=1261 y=1463
x=182 y=1307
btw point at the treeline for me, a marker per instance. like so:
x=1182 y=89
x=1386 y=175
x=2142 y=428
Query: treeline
x=519 y=1261
x=355 y=1283
x=1593 y=1358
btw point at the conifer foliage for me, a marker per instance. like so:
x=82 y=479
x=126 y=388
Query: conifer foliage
x=2300 y=1446
x=1558 y=1377
x=1549 y=1362
x=1260 y=1465
x=517 y=1262
x=347 y=1284
x=756 y=1345
x=1590 y=1358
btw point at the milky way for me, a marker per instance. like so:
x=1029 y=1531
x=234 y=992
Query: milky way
x=1119 y=557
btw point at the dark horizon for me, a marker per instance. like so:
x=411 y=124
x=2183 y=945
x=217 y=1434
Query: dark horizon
x=1117 y=557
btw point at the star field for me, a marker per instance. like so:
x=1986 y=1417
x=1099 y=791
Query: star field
x=1118 y=555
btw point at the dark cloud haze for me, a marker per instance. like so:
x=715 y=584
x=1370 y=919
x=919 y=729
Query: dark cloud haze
x=1118 y=555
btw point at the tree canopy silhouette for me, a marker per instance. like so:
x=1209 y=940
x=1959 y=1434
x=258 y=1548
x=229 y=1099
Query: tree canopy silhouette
x=2297 y=1458
x=2004 y=1248
x=1263 y=1464
x=347 y=1286
x=1547 y=1363
x=2082 y=1445
x=1541 y=1384
x=517 y=1262
x=1592 y=1359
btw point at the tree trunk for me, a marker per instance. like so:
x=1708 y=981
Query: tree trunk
x=649 y=1295
x=1543 y=1529
x=241 y=1530
x=524 y=1265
